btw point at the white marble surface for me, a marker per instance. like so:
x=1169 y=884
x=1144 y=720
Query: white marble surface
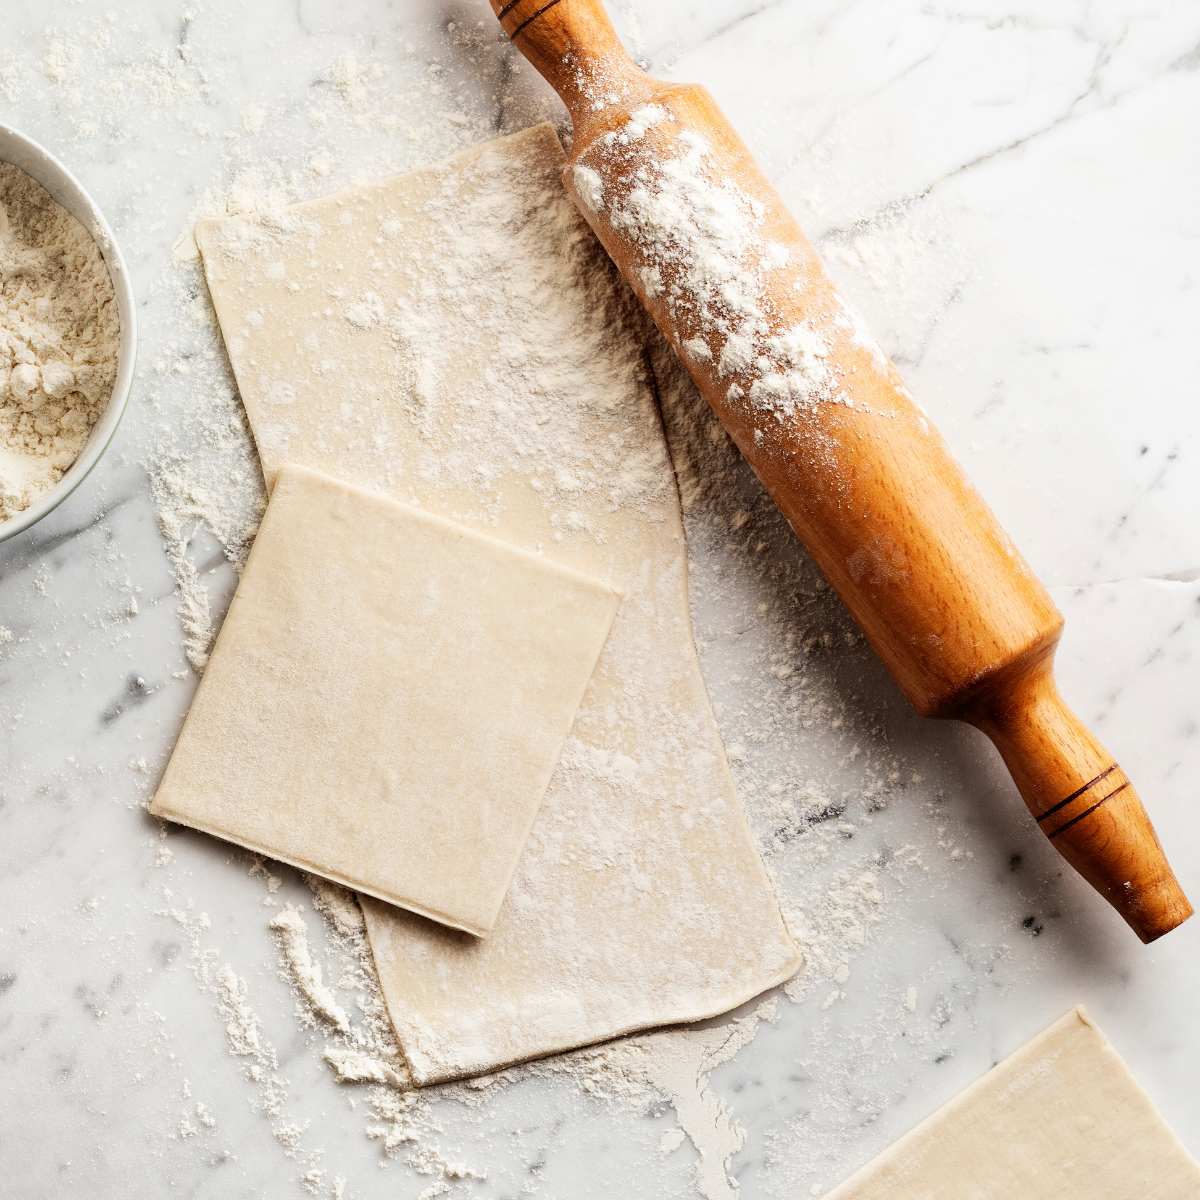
x=1008 y=190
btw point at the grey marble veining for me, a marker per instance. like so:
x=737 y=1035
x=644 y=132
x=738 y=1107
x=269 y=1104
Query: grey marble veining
x=1007 y=190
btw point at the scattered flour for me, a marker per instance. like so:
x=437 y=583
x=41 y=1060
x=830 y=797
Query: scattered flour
x=241 y=1023
x=365 y=1052
x=305 y=972
x=178 y=518
x=358 y=121
x=244 y=1036
x=676 y=1066
x=671 y=1066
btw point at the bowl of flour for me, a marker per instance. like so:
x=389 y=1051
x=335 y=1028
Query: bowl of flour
x=67 y=333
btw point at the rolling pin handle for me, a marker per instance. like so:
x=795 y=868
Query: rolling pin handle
x=573 y=45
x=1082 y=800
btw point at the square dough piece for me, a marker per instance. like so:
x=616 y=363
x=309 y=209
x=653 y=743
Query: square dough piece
x=1062 y=1119
x=386 y=700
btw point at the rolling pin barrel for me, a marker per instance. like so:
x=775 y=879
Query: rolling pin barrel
x=835 y=437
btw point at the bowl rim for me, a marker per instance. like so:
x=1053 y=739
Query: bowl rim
x=48 y=170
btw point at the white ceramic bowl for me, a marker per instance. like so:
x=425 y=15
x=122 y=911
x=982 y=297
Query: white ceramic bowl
x=67 y=190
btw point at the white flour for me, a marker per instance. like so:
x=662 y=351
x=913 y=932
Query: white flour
x=58 y=339
x=704 y=255
x=364 y=1051
x=193 y=508
x=205 y=477
x=243 y=1032
x=673 y=1066
x=305 y=972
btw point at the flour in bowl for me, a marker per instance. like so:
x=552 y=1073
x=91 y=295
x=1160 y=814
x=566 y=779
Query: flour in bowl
x=59 y=333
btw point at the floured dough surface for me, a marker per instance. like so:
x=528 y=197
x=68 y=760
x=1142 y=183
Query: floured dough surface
x=387 y=699
x=456 y=337
x=1062 y=1119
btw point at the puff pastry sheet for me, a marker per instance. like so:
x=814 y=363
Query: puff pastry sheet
x=386 y=700
x=458 y=339
x=1061 y=1119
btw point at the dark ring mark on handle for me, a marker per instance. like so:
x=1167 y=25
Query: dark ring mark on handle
x=507 y=9
x=1087 y=812
x=1077 y=793
x=520 y=29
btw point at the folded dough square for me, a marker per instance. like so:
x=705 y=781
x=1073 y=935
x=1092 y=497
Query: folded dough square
x=386 y=700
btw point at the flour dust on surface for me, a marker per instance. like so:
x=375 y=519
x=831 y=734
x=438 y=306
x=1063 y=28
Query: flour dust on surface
x=792 y=675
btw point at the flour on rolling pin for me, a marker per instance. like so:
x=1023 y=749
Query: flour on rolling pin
x=705 y=255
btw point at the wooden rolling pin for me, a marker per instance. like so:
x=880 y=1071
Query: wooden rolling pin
x=829 y=427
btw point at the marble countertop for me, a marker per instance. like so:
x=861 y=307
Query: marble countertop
x=1007 y=189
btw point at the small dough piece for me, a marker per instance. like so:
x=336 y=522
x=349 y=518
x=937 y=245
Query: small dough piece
x=1062 y=1119
x=457 y=336
x=386 y=700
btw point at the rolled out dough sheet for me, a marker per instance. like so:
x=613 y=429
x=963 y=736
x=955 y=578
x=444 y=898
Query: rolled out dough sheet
x=386 y=700
x=1062 y=1119
x=458 y=338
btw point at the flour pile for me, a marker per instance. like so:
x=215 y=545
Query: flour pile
x=58 y=339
